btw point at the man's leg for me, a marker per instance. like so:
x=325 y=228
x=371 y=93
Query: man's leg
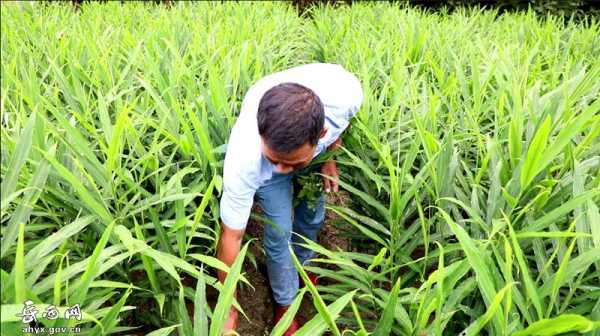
x=307 y=222
x=275 y=198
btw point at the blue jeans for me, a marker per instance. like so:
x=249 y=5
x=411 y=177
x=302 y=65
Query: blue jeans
x=275 y=199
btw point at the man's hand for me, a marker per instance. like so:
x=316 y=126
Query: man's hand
x=329 y=168
x=335 y=145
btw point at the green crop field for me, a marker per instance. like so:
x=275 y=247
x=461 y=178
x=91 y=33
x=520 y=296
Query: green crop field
x=471 y=173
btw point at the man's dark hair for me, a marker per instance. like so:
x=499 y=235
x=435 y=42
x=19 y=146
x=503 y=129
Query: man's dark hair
x=290 y=115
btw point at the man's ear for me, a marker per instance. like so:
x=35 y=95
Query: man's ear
x=323 y=132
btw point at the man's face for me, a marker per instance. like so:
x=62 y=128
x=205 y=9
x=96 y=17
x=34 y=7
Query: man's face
x=286 y=163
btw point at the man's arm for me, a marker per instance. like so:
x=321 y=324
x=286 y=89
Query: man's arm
x=227 y=250
x=228 y=247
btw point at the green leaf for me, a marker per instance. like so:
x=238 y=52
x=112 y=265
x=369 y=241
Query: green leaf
x=317 y=299
x=475 y=327
x=94 y=205
x=384 y=326
x=183 y=315
x=166 y=331
x=50 y=243
x=200 y=308
x=115 y=145
x=283 y=324
x=480 y=264
x=575 y=266
x=9 y=181
x=529 y=284
x=317 y=325
x=532 y=164
x=542 y=222
x=225 y=300
x=559 y=325
x=558 y=277
x=110 y=320
x=19 y=268
x=25 y=207
x=92 y=268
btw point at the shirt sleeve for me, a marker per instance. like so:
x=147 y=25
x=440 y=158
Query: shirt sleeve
x=339 y=113
x=355 y=97
x=239 y=177
x=236 y=202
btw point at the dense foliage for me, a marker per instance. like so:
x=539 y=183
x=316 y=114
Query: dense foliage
x=472 y=166
x=577 y=8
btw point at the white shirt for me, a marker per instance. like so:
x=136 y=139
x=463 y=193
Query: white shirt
x=245 y=168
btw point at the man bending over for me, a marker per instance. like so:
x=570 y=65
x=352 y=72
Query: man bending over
x=286 y=120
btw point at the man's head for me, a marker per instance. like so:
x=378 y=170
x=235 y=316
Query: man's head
x=290 y=122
